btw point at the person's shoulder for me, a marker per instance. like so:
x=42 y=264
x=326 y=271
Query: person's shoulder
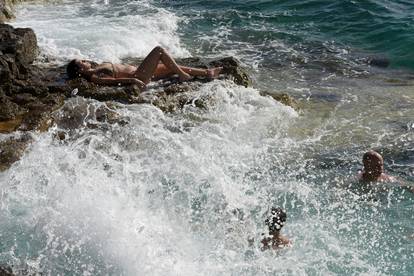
x=284 y=242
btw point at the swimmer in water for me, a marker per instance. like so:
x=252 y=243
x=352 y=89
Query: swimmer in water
x=275 y=223
x=373 y=170
x=158 y=64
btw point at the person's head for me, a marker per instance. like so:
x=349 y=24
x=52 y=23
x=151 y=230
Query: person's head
x=373 y=164
x=276 y=220
x=76 y=68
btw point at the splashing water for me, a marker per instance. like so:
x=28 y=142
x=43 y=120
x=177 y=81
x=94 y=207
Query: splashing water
x=182 y=193
x=101 y=31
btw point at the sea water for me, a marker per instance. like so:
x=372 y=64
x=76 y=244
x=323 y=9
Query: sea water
x=182 y=193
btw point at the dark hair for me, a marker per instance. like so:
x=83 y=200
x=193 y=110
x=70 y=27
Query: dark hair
x=73 y=70
x=276 y=220
x=371 y=156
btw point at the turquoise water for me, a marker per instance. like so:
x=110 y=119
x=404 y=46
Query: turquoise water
x=383 y=28
x=181 y=193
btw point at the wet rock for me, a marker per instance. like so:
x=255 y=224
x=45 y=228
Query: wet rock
x=60 y=135
x=377 y=61
x=233 y=69
x=105 y=114
x=8 y=109
x=10 y=125
x=5 y=11
x=25 y=101
x=80 y=113
x=18 y=42
x=12 y=149
x=6 y=271
x=284 y=99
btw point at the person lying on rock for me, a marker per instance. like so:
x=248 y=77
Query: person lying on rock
x=373 y=170
x=158 y=64
x=275 y=223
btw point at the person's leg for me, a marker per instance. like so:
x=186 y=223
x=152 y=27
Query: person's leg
x=163 y=72
x=149 y=65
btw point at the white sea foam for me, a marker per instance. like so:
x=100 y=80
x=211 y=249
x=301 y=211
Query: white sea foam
x=165 y=194
x=128 y=198
x=102 y=31
x=179 y=194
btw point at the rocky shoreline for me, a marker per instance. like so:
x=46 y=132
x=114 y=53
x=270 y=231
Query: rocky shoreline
x=30 y=93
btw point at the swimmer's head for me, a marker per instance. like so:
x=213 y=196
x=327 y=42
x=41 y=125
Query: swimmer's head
x=373 y=163
x=276 y=220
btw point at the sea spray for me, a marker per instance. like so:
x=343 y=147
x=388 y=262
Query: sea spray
x=181 y=193
x=77 y=29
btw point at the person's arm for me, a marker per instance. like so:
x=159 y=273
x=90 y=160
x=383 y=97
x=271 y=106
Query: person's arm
x=400 y=182
x=117 y=81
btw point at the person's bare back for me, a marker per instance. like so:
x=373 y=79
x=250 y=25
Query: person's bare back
x=275 y=242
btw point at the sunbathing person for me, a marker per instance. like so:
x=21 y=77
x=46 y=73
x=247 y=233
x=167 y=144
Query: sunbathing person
x=275 y=223
x=157 y=65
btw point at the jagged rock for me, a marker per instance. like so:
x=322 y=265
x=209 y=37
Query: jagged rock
x=79 y=113
x=25 y=101
x=283 y=98
x=12 y=149
x=19 y=42
x=232 y=67
x=8 y=109
x=6 y=9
